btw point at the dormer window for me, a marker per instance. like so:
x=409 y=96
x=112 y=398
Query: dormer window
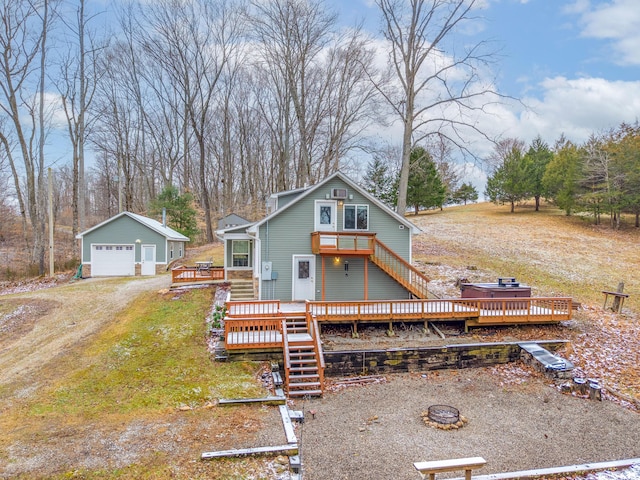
x=356 y=217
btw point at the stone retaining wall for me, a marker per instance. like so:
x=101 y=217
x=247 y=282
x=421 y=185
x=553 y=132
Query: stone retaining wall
x=396 y=360
x=373 y=362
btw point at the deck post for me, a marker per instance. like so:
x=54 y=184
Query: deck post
x=323 y=270
x=354 y=331
x=366 y=278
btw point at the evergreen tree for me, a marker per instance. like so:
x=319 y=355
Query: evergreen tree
x=379 y=181
x=425 y=188
x=537 y=159
x=509 y=182
x=181 y=215
x=561 y=180
x=466 y=193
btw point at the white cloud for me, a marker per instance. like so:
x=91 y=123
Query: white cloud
x=579 y=108
x=618 y=22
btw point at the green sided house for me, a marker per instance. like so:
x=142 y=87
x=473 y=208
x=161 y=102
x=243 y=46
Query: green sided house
x=129 y=244
x=331 y=241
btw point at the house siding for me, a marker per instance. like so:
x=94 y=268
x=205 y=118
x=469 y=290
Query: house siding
x=124 y=230
x=289 y=233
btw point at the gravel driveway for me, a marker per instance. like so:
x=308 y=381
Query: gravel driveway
x=376 y=432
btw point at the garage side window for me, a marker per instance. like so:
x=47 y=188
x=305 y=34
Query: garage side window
x=240 y=253
x=171 y=251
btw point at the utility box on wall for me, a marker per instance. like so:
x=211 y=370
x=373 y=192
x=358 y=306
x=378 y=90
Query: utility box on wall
x=267 y=270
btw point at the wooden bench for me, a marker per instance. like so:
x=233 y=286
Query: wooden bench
x=618 y=300
x=440 y=466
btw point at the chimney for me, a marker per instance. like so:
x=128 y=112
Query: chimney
x=164 y=217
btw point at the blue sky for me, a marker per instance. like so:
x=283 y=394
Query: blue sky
x=575 y=63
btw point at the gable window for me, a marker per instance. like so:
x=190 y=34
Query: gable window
x=240 y=253
x=356 y=217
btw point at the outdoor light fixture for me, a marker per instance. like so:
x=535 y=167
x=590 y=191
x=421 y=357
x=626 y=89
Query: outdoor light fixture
x=138 y=240
x=336 y=260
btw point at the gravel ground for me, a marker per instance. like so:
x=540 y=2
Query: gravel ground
x=376 y=432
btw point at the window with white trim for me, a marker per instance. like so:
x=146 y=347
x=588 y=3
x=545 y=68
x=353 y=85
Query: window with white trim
x=171 y=251
x=240 y=253
x=356 y=217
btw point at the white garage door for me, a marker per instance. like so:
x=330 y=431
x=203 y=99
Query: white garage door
x=112 y=260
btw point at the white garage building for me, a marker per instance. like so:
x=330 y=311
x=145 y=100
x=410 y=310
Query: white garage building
x=129 y=244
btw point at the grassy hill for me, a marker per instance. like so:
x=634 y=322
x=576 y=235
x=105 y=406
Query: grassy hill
x=553 y=253
x=110 y=378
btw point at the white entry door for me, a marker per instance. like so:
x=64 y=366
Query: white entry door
x=304 y=270
x=148 y=260
x=326 y=221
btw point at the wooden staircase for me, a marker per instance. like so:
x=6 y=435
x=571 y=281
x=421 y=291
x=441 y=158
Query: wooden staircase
x=303 y=359
x=400 y=270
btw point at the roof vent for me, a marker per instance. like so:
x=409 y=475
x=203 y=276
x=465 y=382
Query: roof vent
x=339 y=193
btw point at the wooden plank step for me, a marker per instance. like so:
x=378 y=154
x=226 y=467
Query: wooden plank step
x=271 y=400
x=303 y=369
x=277 y=379
x=303 y=361
x=288 y=426
x=303 y=384
x=243 y=452
x=307 y=376
x=302 y=393
x=307 y=351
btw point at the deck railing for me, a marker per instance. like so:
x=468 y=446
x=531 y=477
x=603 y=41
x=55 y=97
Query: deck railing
x=523 y=310
x=399 y=269
x=242 y=333
x=254 y=308
x=342 y=243
x=490 y=311
x=186 y=274
x=285 y=351
x=314 y=330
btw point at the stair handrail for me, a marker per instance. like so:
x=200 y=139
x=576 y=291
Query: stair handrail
x=317 y=346
x=285 y=351
x=408 y=275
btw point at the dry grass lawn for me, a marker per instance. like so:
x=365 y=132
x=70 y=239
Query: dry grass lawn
x=51 y=336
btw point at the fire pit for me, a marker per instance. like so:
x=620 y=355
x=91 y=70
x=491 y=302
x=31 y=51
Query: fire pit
x=444 y=417
x=443 y=414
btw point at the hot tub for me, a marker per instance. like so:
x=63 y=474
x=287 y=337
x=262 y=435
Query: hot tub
x=505 y=288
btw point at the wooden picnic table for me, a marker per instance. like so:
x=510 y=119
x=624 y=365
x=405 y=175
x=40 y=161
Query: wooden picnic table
x=204 y=266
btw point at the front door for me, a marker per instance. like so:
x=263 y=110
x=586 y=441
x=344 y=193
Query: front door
x=304 y=270
x=148 y=260
x=326 y=221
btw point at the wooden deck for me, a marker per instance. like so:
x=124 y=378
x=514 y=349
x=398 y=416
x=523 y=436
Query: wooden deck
x=197 y=274
x=475 y=312
x=259 y=324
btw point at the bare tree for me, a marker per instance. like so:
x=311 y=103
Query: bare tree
x=431 y=91
x=23 y=45
x=77 y=85
x=292 y=34
x=193 y=42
